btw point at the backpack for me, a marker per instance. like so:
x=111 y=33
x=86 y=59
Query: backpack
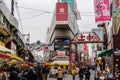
x=73 y=71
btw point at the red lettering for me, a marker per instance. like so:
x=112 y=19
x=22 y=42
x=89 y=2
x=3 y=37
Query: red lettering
x=82 y=38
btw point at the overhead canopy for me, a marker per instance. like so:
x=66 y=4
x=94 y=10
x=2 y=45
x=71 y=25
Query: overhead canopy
x=106 y=53
x=12 y=62
x=15 y=57
x=65 y=63
x=4 y=49
x=4 y=56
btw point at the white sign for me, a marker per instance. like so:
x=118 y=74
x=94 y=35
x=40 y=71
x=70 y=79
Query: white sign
x=61 y=53
x=13 y=48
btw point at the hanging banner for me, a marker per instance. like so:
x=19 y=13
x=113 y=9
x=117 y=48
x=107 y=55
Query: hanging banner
x=102 y=10
x=62 y=12
x=72 y=57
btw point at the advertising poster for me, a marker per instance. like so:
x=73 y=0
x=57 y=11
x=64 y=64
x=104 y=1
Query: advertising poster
x=62 y=12
x=102 y=10
x=72 y=57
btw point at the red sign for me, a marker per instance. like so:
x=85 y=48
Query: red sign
x=62 y=12
x=86 y=38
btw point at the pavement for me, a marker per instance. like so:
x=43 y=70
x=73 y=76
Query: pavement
x=69 y=77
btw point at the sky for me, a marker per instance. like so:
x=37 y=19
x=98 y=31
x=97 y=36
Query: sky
x=35 y=19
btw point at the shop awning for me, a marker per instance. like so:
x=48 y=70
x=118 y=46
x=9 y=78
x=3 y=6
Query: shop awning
x=12 y=62
x=4 y=49
x=4 y=56
x=106 y=53
x=15 y=57
x=65 y=63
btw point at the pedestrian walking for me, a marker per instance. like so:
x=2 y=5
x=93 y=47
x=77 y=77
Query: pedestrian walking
x=87 y=74
x=45 y=72
x=60 y=74
x=4 y=75
x=39 y=72
x=95 y=74
x=31 y=75
x=73 y=72
x=13 y=74
x=81 y=73
x=21 y=75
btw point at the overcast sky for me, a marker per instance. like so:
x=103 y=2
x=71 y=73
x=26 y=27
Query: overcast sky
x=37 y=21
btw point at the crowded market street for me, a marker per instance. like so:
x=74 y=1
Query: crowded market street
x=69 y=77
x=59 y=39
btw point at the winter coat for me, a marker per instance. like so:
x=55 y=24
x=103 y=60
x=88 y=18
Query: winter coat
x=31 y=75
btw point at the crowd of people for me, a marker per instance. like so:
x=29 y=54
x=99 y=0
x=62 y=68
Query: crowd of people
x=41 y=72
x=15 y=72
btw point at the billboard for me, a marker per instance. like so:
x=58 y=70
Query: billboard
x=71 y=3
x=102 y=10
x=62 y=12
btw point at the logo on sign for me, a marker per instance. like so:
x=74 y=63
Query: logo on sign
x=62 y=10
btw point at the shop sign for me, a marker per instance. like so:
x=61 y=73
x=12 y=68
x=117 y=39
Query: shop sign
x=13 y=47
x=61 y=12
x=87 y=38
x=61 y=53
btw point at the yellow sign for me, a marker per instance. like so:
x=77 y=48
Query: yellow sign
x=2 y=44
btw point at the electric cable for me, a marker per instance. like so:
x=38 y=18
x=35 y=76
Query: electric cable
x=33 y=16
x=41 y=10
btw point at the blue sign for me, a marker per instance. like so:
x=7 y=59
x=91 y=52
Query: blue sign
x=49 y=45
x=38 y=42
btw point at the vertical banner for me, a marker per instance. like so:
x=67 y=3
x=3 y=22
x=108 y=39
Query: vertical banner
x=62 y=12
x=71 y=3
x=72 y=57
x=102 y=10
